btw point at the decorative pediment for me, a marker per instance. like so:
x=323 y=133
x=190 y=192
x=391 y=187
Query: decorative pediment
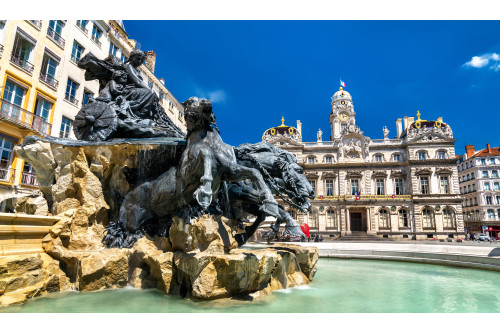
x=329 y=175
x=379 y=174
x=311 y=175
x=398 y=173
x=354 y=174
x=429 y=134
x=444 y=171
x=423 y=171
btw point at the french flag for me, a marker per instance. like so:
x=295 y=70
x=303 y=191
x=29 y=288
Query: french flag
x=342 y=83
x=358 y=195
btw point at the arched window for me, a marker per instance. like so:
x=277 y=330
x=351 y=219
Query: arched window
x=383 y=219
x=331 y=219
x=428 y=218
x=313 y=219
x=448 y=218
x=403 y=218
x=328 y=159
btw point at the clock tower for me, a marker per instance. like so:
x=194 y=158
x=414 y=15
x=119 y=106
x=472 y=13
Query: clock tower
x=342 y=113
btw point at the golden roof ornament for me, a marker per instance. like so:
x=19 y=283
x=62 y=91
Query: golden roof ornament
x=282 y=122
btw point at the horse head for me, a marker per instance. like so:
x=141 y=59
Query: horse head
x=198 y=114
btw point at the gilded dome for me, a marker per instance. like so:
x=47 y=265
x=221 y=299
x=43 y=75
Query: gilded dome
x=341 y=94
x=281 y=130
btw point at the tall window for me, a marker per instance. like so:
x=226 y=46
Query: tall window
x=448 y=218
x=398 y=183
x=475 y=200
x=494 y=173
x=113 y=49
x=77 y=52
x=6 y=153
x=472 y=176
x=329 y=187
x=483 y=162
x=86 y=96
x=491 y=213
x=54 y=31
x=487 y=186
x=380 y=186
x=331 y=220
x=82 y=24
x=123 y=58
x=485 y=174
x=313 y=184
x=492 y=161
x=160 y=96
x=496 y=186
x=42 y=109
x=65 y=127
x=441 y=155
x=22 y=52
x=422 y=155
x=48 y=72
x=444 y=185
x=71 y=89
x=427 y=218
x=96 y=34
x=498 y=199
x=383 y=219
x=489 y=200
x=473 y=187
x=13 y=94
x=403 y=218
x=424 y=185
x=313 y=218
x=354 y=186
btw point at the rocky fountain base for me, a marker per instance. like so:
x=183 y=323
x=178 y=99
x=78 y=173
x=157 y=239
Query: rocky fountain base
x=83 y=185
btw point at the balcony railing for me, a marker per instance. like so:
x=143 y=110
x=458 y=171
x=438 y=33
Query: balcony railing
x=7 y=174
x=23 y=63
x=55 y=37
x=70 y=98
x=82 y=28
x=29 y=179
x=49 y=80
x=36 y=23
x=93 y=38
x=363 y=197
x=23 y=117
x=1 y=50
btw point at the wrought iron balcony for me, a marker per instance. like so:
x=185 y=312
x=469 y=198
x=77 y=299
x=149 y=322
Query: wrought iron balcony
x=70 y=98
x=55 y=37
x=7 y=174
x=29 y=179
x=23 y=117
x=49 y=80
x=36 y=23
x=23 y=63
x=82 y=28
x=93 y=38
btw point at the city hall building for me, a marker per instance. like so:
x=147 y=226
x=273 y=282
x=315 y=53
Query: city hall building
x=401 y=188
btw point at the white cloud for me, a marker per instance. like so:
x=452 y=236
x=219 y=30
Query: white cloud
x=216 y=96
x=482 y=61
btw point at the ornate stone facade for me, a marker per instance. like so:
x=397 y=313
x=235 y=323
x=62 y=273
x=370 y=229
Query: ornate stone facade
x=401 y=188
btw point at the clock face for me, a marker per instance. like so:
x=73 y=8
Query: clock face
x=343 y=116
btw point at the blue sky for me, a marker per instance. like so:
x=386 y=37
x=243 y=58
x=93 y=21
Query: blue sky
x=258 y=71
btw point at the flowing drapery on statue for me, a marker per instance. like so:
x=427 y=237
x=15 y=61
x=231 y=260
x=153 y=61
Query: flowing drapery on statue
x=126 y=106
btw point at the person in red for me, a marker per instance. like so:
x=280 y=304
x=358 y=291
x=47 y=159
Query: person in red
x=305 y=230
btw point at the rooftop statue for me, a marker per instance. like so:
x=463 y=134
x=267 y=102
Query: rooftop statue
x=126 y=106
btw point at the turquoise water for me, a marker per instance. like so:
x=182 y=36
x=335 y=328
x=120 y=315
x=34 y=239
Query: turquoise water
x=339 y=286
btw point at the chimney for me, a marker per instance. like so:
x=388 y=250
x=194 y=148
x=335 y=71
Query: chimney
x=150 y=61
x=469 y=149
x=162 y=81
x=299 y=127
x=399 y=126
x=405 y=122
x=488 y=148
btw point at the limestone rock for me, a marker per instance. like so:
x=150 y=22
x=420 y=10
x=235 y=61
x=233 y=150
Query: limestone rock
x=210 y=276
x=106 y=269
x=208 y=233
x=26 y=276
x=306 y=256
x=32 y=205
